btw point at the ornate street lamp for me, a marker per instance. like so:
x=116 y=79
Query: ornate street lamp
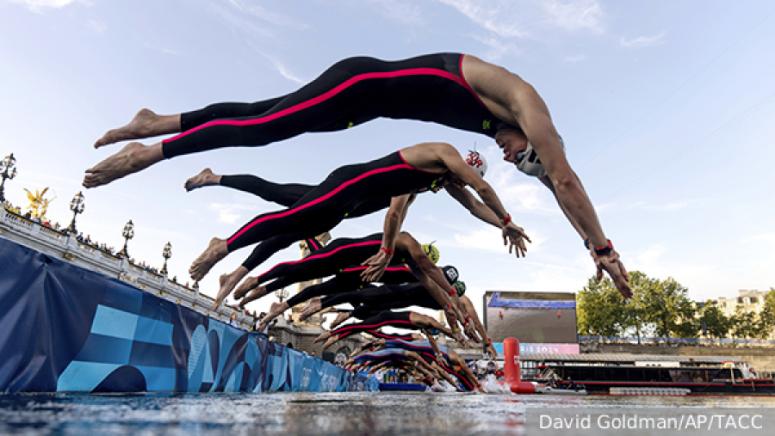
x=7 y=171
x=77 y=206
x=128 y=233
x=166 y=254
x=282 y=294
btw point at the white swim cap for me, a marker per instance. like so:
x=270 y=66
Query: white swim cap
x=529 y=163
x=476 y=161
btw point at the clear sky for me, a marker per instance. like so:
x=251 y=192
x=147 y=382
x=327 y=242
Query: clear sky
x=666 y=110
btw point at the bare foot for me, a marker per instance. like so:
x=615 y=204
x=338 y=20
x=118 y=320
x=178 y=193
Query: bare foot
x=131 y=159
x=205 y=178
x=342 y=317
x=310 y=309
x=215 y=251
x=247 y=285
x=253 y=295
x=141 y=126
x=275 y=310
x=322 y=337
x=331 y=341
x=228 y=282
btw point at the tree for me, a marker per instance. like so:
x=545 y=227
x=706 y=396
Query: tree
x=599 y=309
x=713 y=321
x=665 y=304
x=603 y=311
x=687 y=325
x=636 y=309
x=746 y=324
x=768 y=313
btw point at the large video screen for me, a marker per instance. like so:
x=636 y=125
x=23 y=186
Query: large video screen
x=545 y=317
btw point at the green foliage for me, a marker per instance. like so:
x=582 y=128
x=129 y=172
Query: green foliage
x=659 y=305
x=768 y=313
x=748 y=325
x=664 y=308
x=666 y=305
x=600 y=309
x=713 y=321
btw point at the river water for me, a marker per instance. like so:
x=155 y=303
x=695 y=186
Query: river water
x=366 y=413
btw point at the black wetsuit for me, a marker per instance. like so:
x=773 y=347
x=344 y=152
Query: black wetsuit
x=345 y=281
x=376 y=321
x=424 y=349
x=378 y=298
x=287 y=194
x=346 y=189
x=355 y=90
x=342 y=255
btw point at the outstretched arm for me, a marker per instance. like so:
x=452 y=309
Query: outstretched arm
x=511 y=232
x=523 y=106
x=458 y=167
x=468 y=306
x=394 y=218
x=433 y=280
x=548 y=183
x=570 y=192
x=476 y=207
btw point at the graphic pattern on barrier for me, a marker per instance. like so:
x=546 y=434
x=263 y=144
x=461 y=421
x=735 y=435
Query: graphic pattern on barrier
x=65 y=328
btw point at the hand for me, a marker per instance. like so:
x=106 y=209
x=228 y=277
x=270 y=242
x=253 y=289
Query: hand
x=514 y=236
x=615 y=268
x=453 y=314
x=457 y=336
x=489 y=349
x=376 y=266
x=471 y=332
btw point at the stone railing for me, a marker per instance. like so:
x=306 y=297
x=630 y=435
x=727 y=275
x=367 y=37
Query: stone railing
x=60 y=244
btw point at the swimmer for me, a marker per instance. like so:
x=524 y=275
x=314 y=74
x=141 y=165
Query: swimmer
x=378 y=298
x=408 y=170
x=405 y=320
x=453 y=89
x=339 y=258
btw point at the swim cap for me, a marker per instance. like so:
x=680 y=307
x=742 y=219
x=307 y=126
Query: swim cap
x=460 y=287
x=450 y=272
x=476 y=161
x=529 y=163
x=432 y=252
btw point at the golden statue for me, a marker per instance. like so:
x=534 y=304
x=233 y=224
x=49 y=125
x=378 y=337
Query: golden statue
x=38 y=205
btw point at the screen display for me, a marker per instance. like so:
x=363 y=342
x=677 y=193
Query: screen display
x=545 y=317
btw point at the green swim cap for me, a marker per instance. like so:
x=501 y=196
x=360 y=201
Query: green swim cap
x=460 y=286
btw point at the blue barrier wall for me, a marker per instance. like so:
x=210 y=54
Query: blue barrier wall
x=65 y=328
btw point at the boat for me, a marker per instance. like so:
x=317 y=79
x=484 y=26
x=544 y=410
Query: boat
x=667 y=377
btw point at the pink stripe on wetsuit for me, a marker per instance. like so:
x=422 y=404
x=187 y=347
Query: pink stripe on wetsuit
x=353 y=91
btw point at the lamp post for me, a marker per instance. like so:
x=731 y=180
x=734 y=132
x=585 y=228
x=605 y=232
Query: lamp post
x=128 y=233
x=7 y=171
x=77 y=206
x=166 y=254
x=282 y=294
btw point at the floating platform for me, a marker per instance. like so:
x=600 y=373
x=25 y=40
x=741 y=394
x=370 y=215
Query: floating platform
x=65 y=328
x=403 y=387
